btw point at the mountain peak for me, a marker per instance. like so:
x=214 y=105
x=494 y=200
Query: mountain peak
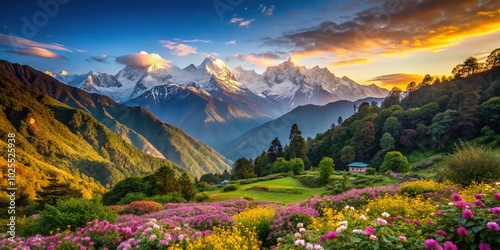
x=155 y=67
x=292 y=61
x=211 y=61
x=63 y=73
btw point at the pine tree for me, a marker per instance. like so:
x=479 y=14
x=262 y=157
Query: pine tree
x=166 y=181
x=56 y=191
x=275 y=150
x=297 y=147
x=187 y=187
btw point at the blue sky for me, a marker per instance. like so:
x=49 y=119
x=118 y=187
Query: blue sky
x=387 y=42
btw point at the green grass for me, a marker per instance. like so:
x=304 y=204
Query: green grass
x=286 y=190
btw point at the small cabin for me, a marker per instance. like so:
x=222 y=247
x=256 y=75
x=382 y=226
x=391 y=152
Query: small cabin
x=357 y=167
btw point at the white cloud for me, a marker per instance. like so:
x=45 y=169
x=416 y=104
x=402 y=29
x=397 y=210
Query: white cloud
x=267 y=10
x=231 y=42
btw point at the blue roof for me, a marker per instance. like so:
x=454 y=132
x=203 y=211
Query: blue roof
x=224 y=182
x=358 y=164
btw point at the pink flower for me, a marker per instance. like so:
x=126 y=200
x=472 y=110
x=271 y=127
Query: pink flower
x=449 y=246
x=478 y=196
x=432 y=244
x=462 y=231
x=497 y=196
x=479 y=203
x=439 y=213
x=441 y=233
x=493 y=226
x=484 y=246
x=495 y=210
x=329 y=236
x=461 y=204
x=369 y=231
x=416 y=222
x=402 y=239
x=467 y=214
x=456 y=197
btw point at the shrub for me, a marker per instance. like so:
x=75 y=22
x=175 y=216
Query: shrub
x=326 y=169
x=310 y=181
x=174 y=197
x=73 y=212
x=395 y=161
x=472 y=163
x=230 y=187
x=257 y=218
x=411 y=208
x=142 y=207
x=421 y=187
x=130 y=197
x=429 y=162
x=370 y=171
x=201 y=197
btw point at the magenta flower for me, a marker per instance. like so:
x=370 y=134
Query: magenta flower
x=441 y=233
x=416 y=222
x=467 y=214
x=439 y=213
x=497 y=196
x=462 y=231
x=461 y=204
x=329 y=236
x=478 y=196
x=402 y=238
x=495 y=210
x=432 y=244
x=456 y=197
x=484 y=246
x=449 y=246
x=493 y=226
x=479 y=203
x=369 y=231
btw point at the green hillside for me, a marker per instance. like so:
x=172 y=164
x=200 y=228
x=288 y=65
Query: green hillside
x=53 y=139
x=134 y=124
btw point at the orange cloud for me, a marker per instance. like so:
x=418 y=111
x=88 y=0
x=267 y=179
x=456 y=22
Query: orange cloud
x=142 y=60
x=34 y=51
x=263 y=60
x=399 y=80
x=425 y=25
x=178 y=49
x=351 y=62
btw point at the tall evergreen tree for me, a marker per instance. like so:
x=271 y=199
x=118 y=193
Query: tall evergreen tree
x=275 y=150
x=56 y=191
x=166 y=181
x=187 y=186
x=243 y=169
x=297 y=147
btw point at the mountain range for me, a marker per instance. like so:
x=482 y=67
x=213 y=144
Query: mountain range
x=128 y=126
x=216 y=104
x=311 y=119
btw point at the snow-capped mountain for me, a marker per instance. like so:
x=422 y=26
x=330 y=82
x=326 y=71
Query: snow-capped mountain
x=294 y=85
x=210 y=97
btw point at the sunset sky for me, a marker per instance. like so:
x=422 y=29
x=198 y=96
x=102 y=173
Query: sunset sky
x=386 y=42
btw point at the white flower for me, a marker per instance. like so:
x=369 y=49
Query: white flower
x=186 y=225
x=309 y=246
x=346 y=207
x=373 y=237
x=177 y=228
x=362 y=217
x=451 y=204
x=341 y=228
x=381 y=221
x=278 y=239
x=344 y=223
x=302 y=229
x=358 y=231
x=367 y=210
x=298 y=235
x=300 y=224
x=300 y=243
x=386 y=215
x=352 y=208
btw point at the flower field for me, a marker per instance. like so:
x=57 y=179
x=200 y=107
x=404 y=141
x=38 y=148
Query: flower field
x=389 y=217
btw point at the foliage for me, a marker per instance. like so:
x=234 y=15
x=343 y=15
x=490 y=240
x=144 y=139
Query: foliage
x=297 y=147
x=201 y=197
x=416 y=188
x=325 y=169
x=347 y=154
x=370 y=171
x=142 y=207
x=414 y=208
x=395 y=161
x=472 y=163
x=230 y=187
x=187 y=186
x=490 y=110
x=242 y=169
x=72 y=212
x=257 y=218
x=122 y=188
x=130 y=197
x=296 y=165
